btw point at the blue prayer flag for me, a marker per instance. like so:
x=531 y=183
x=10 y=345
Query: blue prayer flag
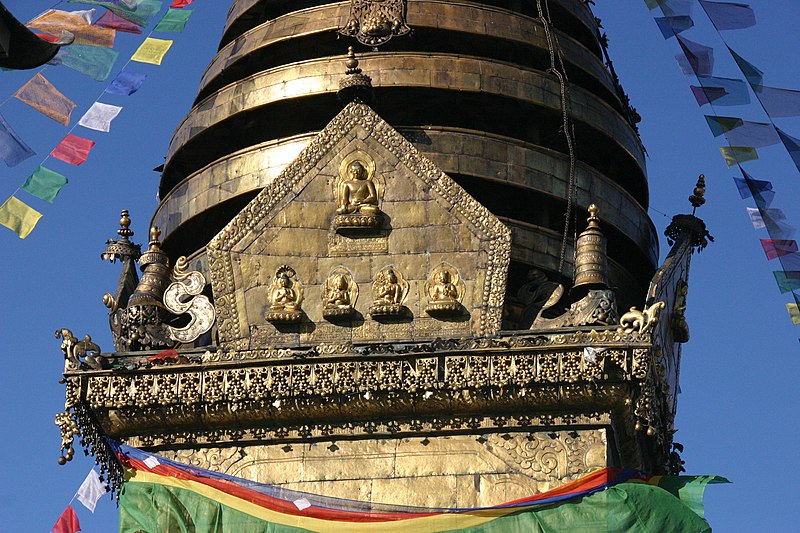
x=13 y=150
x=126 y=83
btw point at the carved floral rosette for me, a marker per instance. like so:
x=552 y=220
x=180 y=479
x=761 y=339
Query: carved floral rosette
x=375 y=22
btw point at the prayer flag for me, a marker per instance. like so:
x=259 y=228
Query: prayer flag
x=17 y=216
x=743 y=132
x=753 y=188
x=67 y=522
x=721 y=91
x=752 y=74
x=776 y=248
x=794 y=313
x=13 y=149
x=177 y=4
x=73 y=149
x=672 y=26
x=202 y=500
x=91 y=490
x=729 y=15
x=789 y=261
x=99 y=117
x=77 y=23
x=174 y=21
x=749 y=186
x=734 y=155
x=94 y=61
x=773 y=220
x=152 y=51
x=792 y=146
x=141 y=14
x=115 y=22
x=42 y=95
x=44 y=184
x=671 y=8
x=779 y=102
x=700 y=56
x=126 y=83
x=704 y=95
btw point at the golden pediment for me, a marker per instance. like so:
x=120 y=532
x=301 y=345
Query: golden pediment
x=359 y=199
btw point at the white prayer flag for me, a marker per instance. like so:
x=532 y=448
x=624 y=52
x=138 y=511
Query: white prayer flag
x=302 y=503
x=151 y=462
x=99 y=117
x=755 y=218
x=85 y=14
x=91 y=490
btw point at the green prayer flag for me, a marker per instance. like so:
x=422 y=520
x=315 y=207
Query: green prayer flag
x=17 y=216
x=94 y=61
x=175 y=20
x=44 y=184
x=690 y=489
x=788 y=280
x=738 y=154
x=720 y=125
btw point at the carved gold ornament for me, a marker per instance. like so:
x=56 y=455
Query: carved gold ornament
x=184 y=296
x=339 y=295
x=79 y=354
x=445 y=291
x=388 y=292
x=375 y=22
x=286 y=296
x=641 y=321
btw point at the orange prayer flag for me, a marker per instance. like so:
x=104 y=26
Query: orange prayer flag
x=42 y=95
x=54 y=21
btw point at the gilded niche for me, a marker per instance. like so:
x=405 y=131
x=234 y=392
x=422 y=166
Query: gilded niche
x=286 y=296
x=317 y=215
x=388 y=292
x=356 y=194
x=445 y=291
x=339 y=295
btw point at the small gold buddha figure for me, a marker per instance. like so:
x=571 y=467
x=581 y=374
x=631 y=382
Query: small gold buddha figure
x=444 y=290
x=339 y=294
x=388 y=292
x=357 y=198
x=285 y=296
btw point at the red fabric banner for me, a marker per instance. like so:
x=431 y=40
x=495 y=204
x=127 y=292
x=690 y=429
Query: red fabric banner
x=114 y=22
x=177 y=4
x=73 y=149
x=777 y=248
x=67 y=522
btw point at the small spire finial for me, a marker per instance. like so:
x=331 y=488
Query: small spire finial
x=593 y=220
x=355 y=86
x=698 y=195
x=155 y=233
x=124 y=230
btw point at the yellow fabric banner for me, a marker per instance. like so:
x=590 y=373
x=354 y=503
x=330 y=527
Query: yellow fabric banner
x=152 y=51
x=17 y=216
x=794 y=313
x=734 y=155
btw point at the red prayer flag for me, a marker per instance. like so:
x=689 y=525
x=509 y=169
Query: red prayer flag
x=778 y=248
x=67 y=522
x=177 y=4
x=114 y=22
x=73 y=149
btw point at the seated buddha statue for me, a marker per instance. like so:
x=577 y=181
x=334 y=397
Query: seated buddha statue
x=357 y=194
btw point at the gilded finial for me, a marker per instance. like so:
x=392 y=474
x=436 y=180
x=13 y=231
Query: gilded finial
x=352 y=63
x=593 y=220
x=355 y=86
x=155 y=233
x=698 y=195
x=122 y=248
x=124 y=230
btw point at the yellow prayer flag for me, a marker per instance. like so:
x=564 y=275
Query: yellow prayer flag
x=54 y=21
x=734 y=155
x=42 y=95
x=152 y=51
x=794 y=313
x=17 y=216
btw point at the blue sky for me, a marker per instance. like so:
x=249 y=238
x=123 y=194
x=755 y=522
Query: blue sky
x=738 y=412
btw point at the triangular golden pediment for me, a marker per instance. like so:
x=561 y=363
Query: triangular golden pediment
x=285 y=272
